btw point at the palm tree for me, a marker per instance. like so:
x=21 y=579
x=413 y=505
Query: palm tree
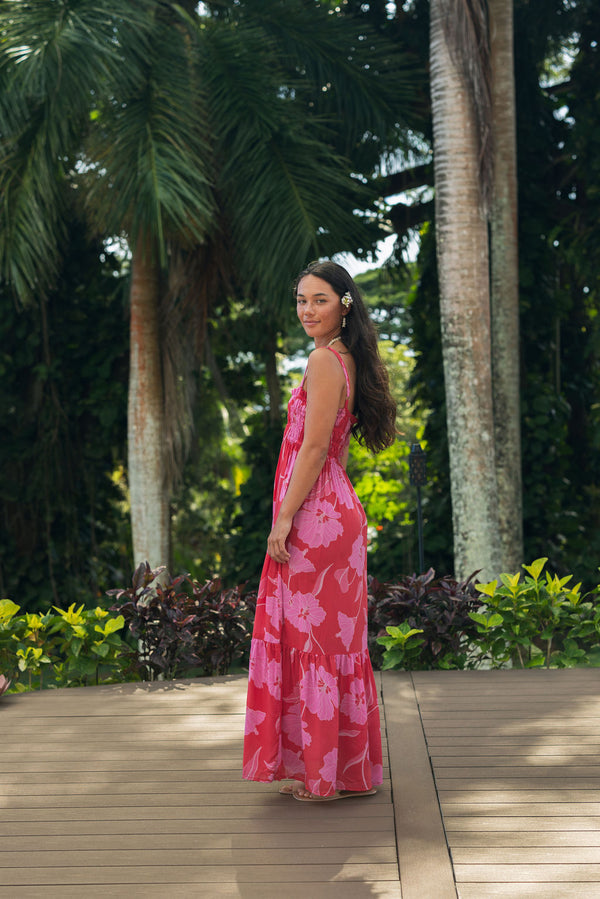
x=504 y=273
x=125 y=67
x=175 y=136
x=462 y=248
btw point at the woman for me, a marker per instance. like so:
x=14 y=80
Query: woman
x=312 y=713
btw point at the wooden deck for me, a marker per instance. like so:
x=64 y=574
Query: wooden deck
x=492 y=789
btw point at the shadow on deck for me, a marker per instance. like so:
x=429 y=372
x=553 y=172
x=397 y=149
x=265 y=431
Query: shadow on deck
x=134 y=790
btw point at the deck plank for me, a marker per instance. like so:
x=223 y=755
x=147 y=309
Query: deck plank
x=259 y=873
x=491 y=788
x=514 y=756
x=348 y=890
x=136 y=790
x=422 y=848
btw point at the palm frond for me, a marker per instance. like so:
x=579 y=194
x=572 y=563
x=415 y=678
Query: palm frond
x=290 y=199
x=286 y=191
x=345 y=69
x=151 y=152
x=54 y=60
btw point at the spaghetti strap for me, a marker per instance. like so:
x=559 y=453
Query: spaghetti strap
x=335 y=353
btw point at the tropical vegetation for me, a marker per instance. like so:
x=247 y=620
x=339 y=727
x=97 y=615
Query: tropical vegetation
x=165 y=627
x=165 y=170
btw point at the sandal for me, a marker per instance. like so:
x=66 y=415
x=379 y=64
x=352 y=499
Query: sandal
x=339 y=794
x=290 y=789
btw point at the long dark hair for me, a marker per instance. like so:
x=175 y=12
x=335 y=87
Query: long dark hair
x=374 y=407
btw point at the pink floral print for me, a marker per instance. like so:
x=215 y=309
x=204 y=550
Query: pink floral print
x=303 y=611
x=319 y=690
x=354 y=703
x=318 y=523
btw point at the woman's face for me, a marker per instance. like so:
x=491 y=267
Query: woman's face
x=319 y=309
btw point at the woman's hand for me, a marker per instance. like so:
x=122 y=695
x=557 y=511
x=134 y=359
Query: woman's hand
x=276 y=540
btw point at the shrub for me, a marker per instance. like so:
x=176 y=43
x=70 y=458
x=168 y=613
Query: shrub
x=87 y=642
x=539 y=621
x=175 y=627
x=62 y=647
x=439 y=609
x=182 y=627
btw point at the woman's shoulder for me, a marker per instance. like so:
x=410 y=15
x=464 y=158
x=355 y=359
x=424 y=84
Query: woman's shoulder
x=322 y=363
x=322 y=354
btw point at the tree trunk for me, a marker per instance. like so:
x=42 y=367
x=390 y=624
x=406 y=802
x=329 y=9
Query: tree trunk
x=146 y=415
x=505 y=288
x=462 y=251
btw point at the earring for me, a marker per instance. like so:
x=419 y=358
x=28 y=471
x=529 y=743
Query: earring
x=343 y=322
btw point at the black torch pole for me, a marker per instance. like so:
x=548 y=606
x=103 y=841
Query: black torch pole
x=420 y=530
x=417 y=464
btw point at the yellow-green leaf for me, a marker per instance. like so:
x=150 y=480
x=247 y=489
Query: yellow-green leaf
x=8 y=609
x=511 y=581
x=536 y=568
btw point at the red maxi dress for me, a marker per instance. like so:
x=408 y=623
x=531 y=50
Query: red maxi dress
x=312 y=713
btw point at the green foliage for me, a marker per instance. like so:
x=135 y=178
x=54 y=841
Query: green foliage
x=64 y=648
x=233 y=463
x=426 y=389
x=252 y=512
x=428 y=623
x=64 y=535
x=175 y=627
x=181 y=627
x=211 y=477
x=540 y=621
x=557 y=70
x=149 y=111
x=437 y=608
x=89 y=641
x=8 y=610
x=402 y=646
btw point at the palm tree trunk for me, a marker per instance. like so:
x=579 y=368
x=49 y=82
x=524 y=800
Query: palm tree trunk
x=146 y=414
x=462 y=250
x=505 y=287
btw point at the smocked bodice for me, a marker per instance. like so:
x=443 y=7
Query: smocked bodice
x=294 y=432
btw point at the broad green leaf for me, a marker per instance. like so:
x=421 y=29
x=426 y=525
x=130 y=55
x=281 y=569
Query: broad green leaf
x=535 y=662
x=71 y=616
x=8 y=609
x=536 y=568
x=487 y=620
x=112 y=625
x=393 y=658
x=34 y=622
x=487 y=589
x=511 y=581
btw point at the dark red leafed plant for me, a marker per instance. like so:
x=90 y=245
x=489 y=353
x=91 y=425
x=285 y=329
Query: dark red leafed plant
x=439 y=607
x=181 y=627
